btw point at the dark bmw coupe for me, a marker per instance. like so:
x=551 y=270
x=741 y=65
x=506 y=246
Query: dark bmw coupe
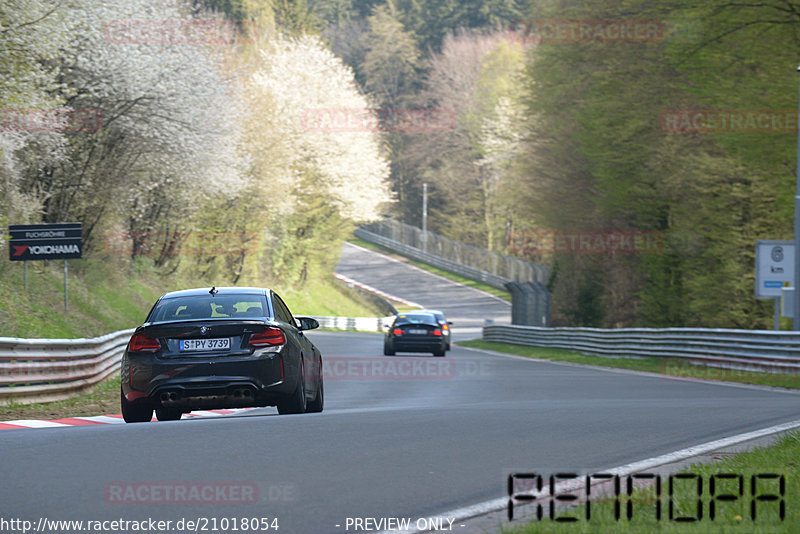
x=415 y=332
x=220 y=348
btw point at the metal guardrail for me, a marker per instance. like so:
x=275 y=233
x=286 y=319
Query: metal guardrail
x=430 y=259
x=39 y=370
x=467 y=260
x=747 y=350
x=364 y=324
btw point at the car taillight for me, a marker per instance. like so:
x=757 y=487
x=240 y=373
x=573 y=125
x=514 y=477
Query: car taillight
x=141 y=343
x=437 y=332
x=268 y=338
x=397 y=332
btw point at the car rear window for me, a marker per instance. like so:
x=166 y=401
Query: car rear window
x=415 y=319
x=208 y=307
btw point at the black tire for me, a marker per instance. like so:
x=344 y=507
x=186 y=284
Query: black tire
x=168 y=414
x=296 y=402
x=317 y=404
x=448 y=347
x=135 y=413
x=439 y=352
x=386 y=350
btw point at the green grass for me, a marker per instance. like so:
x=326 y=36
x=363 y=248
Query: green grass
x=667 y=367
x=505 y=295
x=106 y=296
x=326 y=297
x=102 y=399
x=103 y=297
x=731 y=517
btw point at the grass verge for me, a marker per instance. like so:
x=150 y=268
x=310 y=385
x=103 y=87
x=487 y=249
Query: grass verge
x=505 y=295
x=106 y=295
x=101 y=400
x=670 y=368
x=734 y=514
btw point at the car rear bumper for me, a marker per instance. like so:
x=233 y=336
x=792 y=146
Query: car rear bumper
x=419 y=345
x=194 y=383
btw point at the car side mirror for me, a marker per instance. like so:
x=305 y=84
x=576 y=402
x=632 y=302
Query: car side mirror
x=307 y=323
x=450 y=323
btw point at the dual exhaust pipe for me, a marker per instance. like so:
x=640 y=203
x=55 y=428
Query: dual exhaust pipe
x=243 y=393
x=169 y=396
x=239 y=393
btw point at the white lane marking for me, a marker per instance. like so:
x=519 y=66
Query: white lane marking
x=496 y=505
x=108 y=420
x=621 y=371
x=105 y=419
x=483 y=293
x=202 y=413
x=348 y=280
x=34 y=423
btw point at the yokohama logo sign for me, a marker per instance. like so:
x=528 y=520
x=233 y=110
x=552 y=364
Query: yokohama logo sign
x=37 y=250
x=45 y=241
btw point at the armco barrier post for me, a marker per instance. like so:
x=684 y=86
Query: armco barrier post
x=518 y=303
x=541 y=304
x=531 y=296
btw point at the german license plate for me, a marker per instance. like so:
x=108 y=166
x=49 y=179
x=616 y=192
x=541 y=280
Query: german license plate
x=220 y=343
x=417 y=331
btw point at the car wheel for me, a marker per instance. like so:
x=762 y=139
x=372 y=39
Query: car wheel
x=387 y=351
x=439 y=352
x=168 y=414
x=448 y=346
x=296 y=402
x=135 y=413
x=316 y=405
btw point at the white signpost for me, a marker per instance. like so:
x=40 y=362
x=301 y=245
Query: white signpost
x=774 y=271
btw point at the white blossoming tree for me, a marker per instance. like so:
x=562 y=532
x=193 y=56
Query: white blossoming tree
x=315 y=149
x=165 y=138
x=31 y=34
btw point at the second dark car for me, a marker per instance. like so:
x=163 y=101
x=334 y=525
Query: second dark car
x=446 y=331
x=415 y=332
x=220 y=348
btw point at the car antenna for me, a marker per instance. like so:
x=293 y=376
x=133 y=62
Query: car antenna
x=213 y=290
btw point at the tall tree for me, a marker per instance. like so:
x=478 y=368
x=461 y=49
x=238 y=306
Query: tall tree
x=474 y=84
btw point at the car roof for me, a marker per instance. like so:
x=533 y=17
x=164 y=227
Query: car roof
x=200 y=291
x=424 y=313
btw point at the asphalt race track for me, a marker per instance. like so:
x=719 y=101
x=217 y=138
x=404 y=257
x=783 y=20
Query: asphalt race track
x=403 y=436
x=466 y=307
